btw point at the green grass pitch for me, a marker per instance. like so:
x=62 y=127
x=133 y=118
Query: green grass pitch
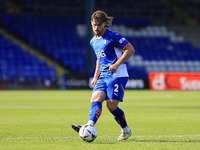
x=41 y=120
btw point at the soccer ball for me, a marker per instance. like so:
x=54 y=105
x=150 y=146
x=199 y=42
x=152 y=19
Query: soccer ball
x=88 y=133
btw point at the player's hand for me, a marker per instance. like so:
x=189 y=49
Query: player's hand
x=94 y=81
x=113 y=68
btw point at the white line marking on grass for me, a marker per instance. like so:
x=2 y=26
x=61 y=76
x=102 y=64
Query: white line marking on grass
x=142 y=136
x=39 y=107
x=34 y=138
x=167 y=136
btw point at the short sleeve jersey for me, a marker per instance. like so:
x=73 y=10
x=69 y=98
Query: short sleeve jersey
x=108 y=49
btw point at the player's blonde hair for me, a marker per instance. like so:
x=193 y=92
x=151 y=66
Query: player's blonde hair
x=101 y=16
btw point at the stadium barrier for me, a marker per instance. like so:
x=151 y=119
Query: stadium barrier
x=77 y=81
x=174 y=81
x=16 y=85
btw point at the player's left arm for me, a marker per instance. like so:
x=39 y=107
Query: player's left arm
x=128 y=52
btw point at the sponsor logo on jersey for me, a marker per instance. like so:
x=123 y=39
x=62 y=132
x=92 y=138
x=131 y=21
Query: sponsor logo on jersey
x=122 y=40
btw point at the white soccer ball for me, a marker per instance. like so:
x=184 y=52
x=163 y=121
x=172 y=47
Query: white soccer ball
x=88 y=133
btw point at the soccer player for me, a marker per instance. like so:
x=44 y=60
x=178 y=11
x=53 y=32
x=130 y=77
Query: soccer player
x=110 y=78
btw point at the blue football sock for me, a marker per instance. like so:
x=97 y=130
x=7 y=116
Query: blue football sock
x=120 y=117
x=95 y=111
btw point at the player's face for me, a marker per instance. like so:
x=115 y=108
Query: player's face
x=98 y=27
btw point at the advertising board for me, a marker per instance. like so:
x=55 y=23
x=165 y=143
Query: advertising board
x=174 y=80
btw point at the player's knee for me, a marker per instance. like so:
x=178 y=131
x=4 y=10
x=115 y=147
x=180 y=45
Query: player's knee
x=111 y=107
x=98 y=96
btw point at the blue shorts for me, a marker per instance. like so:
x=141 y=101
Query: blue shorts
x=113 y=87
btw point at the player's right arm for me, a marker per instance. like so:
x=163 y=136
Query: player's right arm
x=96 y=74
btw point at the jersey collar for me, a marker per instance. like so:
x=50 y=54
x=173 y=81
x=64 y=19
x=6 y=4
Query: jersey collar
x=104 y=31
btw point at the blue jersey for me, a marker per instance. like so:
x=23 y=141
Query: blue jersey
x=108 y=49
